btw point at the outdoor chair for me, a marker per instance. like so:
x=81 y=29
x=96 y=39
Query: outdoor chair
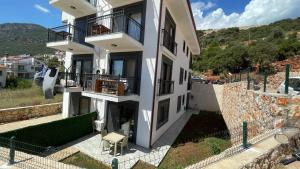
x=125 y=128
x=123 y=143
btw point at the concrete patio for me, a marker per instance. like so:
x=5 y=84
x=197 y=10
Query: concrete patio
x=91 y=145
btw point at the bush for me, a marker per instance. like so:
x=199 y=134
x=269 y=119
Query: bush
x=18 y=83
x=55 y=133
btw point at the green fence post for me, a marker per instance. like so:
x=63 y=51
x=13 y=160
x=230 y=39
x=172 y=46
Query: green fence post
x=287 y=76
x=245 y=134
x=114 y=164
x=12 y=150
x=265 y=81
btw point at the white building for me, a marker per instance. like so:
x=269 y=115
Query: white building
x=131 y=60
x=21 y=66
x=2 y=76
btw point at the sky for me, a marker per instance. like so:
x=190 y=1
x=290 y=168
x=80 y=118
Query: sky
x=208 y=14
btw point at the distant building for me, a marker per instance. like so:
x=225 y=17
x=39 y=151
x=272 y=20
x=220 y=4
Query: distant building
x=23 y=66
x=2 y=76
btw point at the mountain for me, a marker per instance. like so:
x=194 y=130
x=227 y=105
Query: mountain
x=237 y=49
x=23 y=38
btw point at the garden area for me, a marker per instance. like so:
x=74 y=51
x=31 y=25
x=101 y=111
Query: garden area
x=203 y=136
x=21 y=92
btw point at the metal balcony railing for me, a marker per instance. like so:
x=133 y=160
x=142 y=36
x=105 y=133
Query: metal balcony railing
x=108 y=84
x=113 y=23
x=68 y=80
x=165 y=87
x=169 y=42
x=67 y=32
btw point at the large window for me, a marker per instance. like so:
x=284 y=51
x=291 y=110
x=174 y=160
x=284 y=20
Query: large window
x=162 y=113
x=169 y=33
x=166 y=85
x=181 y=76
x=178 y=104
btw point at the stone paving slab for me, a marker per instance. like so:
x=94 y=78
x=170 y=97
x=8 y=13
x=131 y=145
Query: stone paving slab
x=63 y=154
x=26 y=123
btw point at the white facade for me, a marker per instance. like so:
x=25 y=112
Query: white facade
x=21 y=66
x=150 y=51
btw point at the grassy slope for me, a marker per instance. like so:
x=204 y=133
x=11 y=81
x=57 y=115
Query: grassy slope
x=24 y=97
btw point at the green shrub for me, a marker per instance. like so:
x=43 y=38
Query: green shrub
x=55 y=133
x=18 y=83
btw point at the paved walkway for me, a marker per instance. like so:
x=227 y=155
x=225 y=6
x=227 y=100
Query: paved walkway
x=245 y=157
x=31 y=122
x=91 y=146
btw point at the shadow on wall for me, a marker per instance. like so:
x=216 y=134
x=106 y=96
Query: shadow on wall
x=207 y=97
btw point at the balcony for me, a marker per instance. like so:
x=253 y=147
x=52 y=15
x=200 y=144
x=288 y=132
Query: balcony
x=169 y=43
x=76 y=8
x=118 y=3
x=165 y=87
x=115 y=32
x=110 y=88
x=68 y=38
x=68 y=82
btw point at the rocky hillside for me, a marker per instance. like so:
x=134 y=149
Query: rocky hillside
x=19 y=38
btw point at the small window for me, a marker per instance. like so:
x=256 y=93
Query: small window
x=185 y=75
x=178 y=104
x=162 y=113
x=187 y=51
x=183 y=46
x=181 y=76
x=183 y=99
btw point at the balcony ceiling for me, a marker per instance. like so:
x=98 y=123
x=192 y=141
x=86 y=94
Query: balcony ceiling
x=184 y=20
x=118 y=3
x=76 y=8
x=70 y=46
x=108 y=97
x=116 y=42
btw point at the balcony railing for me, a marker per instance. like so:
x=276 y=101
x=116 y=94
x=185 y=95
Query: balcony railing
x=67 y=32
x=165 y=87
x=169 y=42
x=108 y=84
x=68 y=80
x=114 y=23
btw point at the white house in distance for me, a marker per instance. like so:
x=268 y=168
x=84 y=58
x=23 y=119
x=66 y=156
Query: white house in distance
x=22 y=66
x=130 y=61
x=2 y=76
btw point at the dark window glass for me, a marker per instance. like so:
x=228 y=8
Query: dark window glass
x=178 y=103
x=183 y=99
x=183 y=46
x=0 y=73
x=187 y=51
x=181 y=76
x=185 y=74
x=162 y=113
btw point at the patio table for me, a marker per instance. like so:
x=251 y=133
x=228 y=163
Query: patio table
x=115 y=138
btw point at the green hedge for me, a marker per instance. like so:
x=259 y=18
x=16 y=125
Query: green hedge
x=55 y=133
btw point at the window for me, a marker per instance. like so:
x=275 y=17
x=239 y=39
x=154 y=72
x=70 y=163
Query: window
x=166 y=84
x=183 y=99
x=185 y=74
x=169 y=33
x=162 y=113
x=21 y=67
x=181 y=76
x=183 y=46
x=0 y=73
x=187 y=51
x=178 y=104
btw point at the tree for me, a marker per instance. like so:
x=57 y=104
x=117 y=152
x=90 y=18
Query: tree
x=53 y=62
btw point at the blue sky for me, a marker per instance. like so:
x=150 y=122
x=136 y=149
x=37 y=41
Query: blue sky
x=208 y=14
x=29 y=11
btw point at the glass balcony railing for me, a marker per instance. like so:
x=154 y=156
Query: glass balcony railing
x=114 y=23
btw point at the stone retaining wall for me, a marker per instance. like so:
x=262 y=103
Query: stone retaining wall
x=24 y=113
x=274 y=156
x=240 y=104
